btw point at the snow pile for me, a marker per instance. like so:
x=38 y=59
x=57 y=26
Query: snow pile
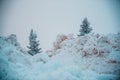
x=11 y=61
x=89 y=57
x=12 y=39
x=92 y=52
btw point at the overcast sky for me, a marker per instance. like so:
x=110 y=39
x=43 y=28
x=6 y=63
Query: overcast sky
x=51 y=17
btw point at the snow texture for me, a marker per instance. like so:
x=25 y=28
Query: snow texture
x=89 y=57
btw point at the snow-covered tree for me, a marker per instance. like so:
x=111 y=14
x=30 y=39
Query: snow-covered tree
x=85 y=27
x=33 y=44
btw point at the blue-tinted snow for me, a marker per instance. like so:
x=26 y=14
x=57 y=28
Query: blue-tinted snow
x=89 y=57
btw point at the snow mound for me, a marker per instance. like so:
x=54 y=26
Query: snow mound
x=15 y=64
x=12 y=39
x=10 y=59
x=94 y=52
x=89 y=57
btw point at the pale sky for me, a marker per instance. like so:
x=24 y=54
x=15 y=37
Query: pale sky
x=51 y=17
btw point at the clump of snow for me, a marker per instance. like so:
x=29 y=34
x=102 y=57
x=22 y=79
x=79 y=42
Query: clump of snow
x=12 y=39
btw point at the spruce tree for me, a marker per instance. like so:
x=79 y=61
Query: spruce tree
x=33 y=44
x=85 y=27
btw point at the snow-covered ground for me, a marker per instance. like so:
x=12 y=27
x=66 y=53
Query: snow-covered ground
x=89 y=57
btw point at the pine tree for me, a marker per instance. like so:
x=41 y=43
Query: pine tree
x=85 y=27
x=33 y=44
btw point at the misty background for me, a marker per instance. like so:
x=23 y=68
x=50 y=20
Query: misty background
x=51 y=17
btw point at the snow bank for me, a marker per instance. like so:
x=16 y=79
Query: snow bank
x=10 y=61
x=89 y=57
x=92 y=52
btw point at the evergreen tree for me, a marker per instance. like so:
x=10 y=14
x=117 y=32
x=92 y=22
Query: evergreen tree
x=33 y=44
x=85 y=27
